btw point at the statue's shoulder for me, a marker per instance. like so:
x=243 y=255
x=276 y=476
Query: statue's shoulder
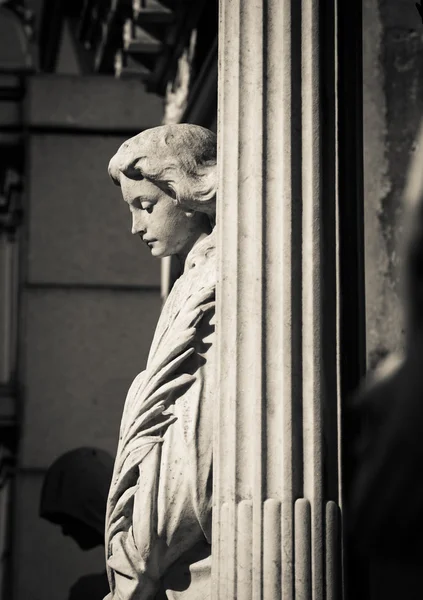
x=201 y=262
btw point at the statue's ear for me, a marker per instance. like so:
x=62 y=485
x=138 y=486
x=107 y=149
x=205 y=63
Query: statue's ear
x=167 y=187
x=170 y=188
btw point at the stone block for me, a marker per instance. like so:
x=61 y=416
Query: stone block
x=82 y=351
x=47 y=564
x=96 y=102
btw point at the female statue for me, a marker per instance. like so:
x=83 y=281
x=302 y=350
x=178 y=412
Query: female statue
x=158 y=526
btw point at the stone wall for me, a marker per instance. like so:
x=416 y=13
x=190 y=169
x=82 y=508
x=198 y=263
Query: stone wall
x=393 y=82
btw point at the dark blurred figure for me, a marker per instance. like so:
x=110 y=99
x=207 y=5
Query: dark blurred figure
x=74 y=496
x=385 y=502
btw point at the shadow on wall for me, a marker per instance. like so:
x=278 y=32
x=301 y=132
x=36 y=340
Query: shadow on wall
x=74 y=497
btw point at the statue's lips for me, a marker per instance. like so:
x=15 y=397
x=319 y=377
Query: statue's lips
x=149 y=242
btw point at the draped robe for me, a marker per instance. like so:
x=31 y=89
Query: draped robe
x=158 y=524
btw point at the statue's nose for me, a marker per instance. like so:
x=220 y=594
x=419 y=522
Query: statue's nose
x=137 y=225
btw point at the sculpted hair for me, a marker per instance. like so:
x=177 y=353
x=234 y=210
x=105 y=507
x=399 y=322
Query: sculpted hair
x=181 y=157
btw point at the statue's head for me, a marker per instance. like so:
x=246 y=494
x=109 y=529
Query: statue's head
x=168 y=179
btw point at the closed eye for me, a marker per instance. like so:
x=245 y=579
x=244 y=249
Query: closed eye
x=148 y=206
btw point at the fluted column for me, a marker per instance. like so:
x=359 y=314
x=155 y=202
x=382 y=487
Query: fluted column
x=276 y=500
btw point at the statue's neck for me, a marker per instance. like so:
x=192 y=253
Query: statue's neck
x=182 y=258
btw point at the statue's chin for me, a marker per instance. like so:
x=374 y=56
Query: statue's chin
x=157 y=253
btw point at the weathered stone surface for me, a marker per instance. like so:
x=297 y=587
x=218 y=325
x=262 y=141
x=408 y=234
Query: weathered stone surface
x=393 y=86
x=386 y=496
x=276 y=505
x=81 y=351
x=80 y=104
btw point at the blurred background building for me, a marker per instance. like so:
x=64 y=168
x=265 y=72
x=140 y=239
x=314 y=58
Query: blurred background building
x=79 y=298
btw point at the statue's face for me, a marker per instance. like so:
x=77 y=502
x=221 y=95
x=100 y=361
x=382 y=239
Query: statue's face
x=164 y=226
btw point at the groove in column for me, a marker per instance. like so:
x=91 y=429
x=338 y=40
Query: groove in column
x=272 y=543
x=311 y=262
x=227 y=290
x=287 y=550
x=250 y=277
x=225 y=437
x=332 y=550
x=296 y=267
x=221 y=581
x=282 y=308
x=277 y=309
x=302 y=534
x=250 y=241
x=312 y=277
x=244 y=557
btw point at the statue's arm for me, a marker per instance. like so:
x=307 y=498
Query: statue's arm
x=183 y=517
x=171 y=506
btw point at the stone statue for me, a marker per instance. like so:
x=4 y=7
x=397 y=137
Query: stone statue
x=158 y=525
